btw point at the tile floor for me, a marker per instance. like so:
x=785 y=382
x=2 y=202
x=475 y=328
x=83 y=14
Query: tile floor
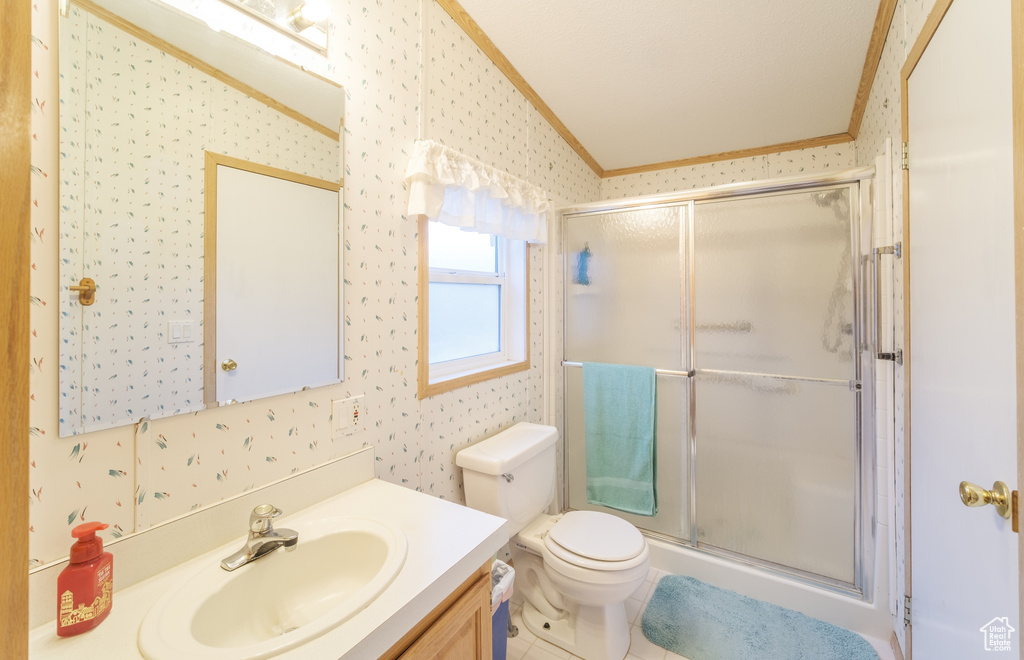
x=526 y=646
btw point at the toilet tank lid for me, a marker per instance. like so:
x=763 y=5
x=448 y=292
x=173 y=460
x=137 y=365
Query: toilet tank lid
x=508 y=449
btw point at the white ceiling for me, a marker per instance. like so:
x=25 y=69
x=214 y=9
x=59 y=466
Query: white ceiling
x=650 y=81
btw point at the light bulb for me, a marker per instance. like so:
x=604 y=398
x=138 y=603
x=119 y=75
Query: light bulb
x=314 y=11
x=308 y=13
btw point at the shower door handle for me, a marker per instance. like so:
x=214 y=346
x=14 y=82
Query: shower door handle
x=896 y=354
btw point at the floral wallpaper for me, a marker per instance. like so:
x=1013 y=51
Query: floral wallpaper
x=754 y=168
x=472 y=107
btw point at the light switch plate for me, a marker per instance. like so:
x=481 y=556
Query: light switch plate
x=181 y=332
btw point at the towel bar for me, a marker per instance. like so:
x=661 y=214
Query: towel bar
x=659 y=372
x=854 y=385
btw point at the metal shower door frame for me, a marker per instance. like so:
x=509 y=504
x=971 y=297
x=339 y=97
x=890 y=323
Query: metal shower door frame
x=858 y=182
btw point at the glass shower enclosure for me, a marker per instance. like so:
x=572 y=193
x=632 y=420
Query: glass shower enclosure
x=749 y=302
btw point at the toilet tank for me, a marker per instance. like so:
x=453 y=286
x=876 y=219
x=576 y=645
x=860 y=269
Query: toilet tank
x=511 y=474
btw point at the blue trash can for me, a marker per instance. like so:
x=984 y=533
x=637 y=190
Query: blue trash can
x=499 y=632
x=502 y=577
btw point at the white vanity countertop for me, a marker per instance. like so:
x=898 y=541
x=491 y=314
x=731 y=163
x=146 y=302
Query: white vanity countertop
x=447 y=543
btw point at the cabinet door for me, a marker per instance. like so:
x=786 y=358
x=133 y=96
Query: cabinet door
x=463 y=632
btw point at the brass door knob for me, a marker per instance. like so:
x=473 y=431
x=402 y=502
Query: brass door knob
x=999 y=496
x=229 y=365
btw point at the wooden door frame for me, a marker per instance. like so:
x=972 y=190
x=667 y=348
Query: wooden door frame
x=931 y=25
x=1017 y=53
x=15 y=183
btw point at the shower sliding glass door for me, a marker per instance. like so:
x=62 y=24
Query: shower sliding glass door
x=750 y=307
x=776 y=395
x=627 y=304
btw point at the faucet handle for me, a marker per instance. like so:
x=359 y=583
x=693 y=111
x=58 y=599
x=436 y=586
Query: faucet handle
x=262 y=517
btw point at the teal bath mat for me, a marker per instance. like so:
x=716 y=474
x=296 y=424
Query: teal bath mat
x=702 y=622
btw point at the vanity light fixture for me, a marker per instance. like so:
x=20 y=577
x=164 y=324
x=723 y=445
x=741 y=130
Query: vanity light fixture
x=302 y=20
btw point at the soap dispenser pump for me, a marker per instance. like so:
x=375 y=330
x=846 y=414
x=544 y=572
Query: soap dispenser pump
x=85 y=588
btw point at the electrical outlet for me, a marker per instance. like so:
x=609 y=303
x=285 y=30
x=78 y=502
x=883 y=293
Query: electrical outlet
x=347 y=414
x=356 y=412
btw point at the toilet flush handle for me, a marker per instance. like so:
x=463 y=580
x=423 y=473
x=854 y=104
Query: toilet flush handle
x=509 y=477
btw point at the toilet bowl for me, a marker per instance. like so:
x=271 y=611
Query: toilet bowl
x=602 y=558
x=574 y=570
x=578 y=602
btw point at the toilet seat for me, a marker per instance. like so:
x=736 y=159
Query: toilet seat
x=597 y=541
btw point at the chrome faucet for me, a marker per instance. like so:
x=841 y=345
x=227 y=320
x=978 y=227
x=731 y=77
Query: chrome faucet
x=263 y=538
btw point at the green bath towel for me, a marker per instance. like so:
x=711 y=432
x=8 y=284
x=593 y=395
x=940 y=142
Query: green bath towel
x=618 y=417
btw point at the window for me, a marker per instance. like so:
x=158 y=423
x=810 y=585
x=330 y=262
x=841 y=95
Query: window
x=473 y=285
x=473 y=304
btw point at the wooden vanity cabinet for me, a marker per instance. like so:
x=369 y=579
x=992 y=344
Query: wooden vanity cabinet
x=457 y=629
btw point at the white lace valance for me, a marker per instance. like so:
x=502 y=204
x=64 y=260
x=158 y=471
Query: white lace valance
x=456 y=190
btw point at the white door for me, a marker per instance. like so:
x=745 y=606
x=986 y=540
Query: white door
x=277 y=296
x=964 y=571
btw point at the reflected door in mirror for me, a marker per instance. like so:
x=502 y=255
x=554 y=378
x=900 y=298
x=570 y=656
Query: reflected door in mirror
x=272 y=248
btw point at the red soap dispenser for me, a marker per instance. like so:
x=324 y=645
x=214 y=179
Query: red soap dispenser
x=85 y=588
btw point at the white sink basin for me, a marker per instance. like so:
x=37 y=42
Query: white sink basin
x=278 y=601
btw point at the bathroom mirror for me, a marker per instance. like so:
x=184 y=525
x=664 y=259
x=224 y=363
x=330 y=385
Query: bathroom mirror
x=146 y=92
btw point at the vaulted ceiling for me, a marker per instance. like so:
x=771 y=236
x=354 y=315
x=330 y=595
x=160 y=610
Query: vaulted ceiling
x=651 y=82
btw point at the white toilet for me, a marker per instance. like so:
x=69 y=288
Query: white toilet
x=575 y=570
